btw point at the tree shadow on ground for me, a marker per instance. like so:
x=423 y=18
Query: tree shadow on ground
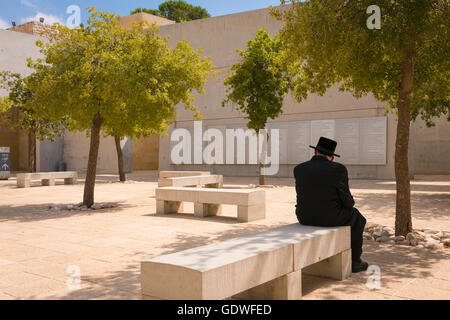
x=424 y=206
x=399 y=265
x=40 y=212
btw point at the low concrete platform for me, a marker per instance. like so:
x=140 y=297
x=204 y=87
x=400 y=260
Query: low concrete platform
x=47 y=178
x=208 y=202
x=174 y=174
x=267 y=265
x=208 y=181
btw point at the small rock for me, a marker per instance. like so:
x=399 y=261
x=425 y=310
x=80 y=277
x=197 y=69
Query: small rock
x=440 y=234
x=431 y=231
x=446 y=244
x=399 y=239
x=69 y=207
x=420 y=246
x=252 y=186
x=96 y=206
x=389 y=230
x=403 y=243
x=435 y=237
x=414 y=242
x=371 y=227
x=414 y=235
x=383 y=239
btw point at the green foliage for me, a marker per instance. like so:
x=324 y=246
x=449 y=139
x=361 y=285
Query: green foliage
x=131 y=78
x=328 y=43
x=154 y=12
x=16 y=109
x=177 y=10
x=257 y=85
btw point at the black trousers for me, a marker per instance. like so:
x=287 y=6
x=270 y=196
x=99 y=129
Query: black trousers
x=356 y=221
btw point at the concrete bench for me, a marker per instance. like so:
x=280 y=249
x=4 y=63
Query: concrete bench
x=209 y=181
x=174 y=174
x=47 y=178
x=208 y=202
x=264 y=266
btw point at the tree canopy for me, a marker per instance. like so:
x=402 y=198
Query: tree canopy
x=124 y=82
x=257 y=84
x=404 y=63
x=177 y=10
x=17 y=112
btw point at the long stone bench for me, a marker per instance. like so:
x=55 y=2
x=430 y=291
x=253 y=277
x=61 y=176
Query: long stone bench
x=208 y=202
x=209 y=181
x=47 y=178
x=174 y=174
x=263 y=266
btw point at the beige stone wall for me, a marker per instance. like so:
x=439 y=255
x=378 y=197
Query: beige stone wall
x=146 y=153
x=32 y=27
x=220 y=37
x=15 y=48
x=431 y=147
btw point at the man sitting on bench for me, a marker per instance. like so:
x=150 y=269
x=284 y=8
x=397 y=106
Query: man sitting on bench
x=324 y=198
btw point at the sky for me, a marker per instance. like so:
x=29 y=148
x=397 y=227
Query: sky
x=22 y=11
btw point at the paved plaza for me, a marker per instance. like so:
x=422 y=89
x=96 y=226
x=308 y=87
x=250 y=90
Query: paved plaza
x=42 y=249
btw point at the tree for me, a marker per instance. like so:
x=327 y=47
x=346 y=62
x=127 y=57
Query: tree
x=154 y=12
x=404 y=63
x=177 y=10
x=16 y=113
x=126 y=82
x=257 y=85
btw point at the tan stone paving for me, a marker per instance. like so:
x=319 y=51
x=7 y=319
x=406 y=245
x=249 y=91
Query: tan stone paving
x=37 y=245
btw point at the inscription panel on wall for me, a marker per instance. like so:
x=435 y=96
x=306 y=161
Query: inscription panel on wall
x=361 y=141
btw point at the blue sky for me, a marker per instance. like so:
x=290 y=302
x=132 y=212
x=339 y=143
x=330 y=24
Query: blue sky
x=22 y=11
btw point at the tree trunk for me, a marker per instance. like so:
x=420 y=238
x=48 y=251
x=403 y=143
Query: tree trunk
x=403 y=220
x=262 y=177
x=122 y=175
x=31 y=152
x=89 y=185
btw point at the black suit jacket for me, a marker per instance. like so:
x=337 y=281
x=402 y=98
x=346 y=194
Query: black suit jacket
x=323 y=194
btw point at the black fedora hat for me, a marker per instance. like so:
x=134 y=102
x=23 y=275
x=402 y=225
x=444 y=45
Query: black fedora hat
x=327 y=147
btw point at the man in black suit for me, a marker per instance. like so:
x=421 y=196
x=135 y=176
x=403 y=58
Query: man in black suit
x=324 y=198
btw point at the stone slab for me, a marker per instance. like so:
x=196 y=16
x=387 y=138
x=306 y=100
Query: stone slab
x=174 y=174
x=191 y=181
x=224 y=269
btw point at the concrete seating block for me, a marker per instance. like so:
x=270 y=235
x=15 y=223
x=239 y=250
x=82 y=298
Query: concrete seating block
x=252 y=213
x=168 y=207
x=174 y=174
x=259 y=266
x=287 y=287
x=207 y=202
x=209 y=181
x=338 y=267
x=46 y=178
x=203 y=210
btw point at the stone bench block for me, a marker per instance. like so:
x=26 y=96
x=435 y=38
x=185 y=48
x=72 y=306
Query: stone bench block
x=174 y=174
x=208 y=202
x=211 y=181
x=47 y=178
x=259 y=266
